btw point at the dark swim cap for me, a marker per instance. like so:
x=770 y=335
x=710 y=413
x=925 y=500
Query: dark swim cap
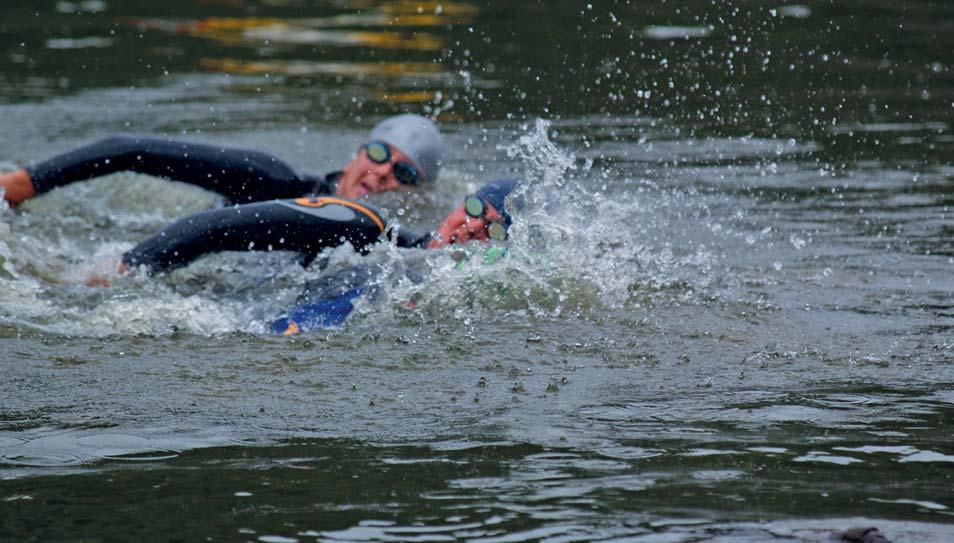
x=495 y=193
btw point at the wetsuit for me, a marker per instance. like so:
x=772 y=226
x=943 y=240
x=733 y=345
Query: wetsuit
x=237 y=174
x=303 y=225
x=329 y=300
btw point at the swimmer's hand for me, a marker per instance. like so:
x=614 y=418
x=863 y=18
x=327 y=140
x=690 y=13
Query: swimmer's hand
x=16 y=187
x=459 y=227
x=104 y=277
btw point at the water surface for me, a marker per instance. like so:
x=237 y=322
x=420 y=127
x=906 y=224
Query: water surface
x=724 y=315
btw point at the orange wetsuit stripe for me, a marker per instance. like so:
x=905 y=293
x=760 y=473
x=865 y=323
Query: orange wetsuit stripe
x=325 y=200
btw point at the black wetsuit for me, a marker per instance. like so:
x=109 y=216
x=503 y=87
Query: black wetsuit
x=237 y=174
x=303 y=225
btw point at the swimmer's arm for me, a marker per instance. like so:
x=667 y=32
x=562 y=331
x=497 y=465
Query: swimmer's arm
x=240 y=175
x=279 y=225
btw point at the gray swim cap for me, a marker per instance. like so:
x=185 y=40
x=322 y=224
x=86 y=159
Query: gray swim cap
x=415 y=136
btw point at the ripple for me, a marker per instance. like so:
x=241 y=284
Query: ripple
x=277 y=539
x=9 y=441
x=891 y=127
x=38 y=459
x=664 y=32
x=718 y=475
x=796 y=11
x=709 y=452
x=824 y=457
x=629 y=453
x=389 y=531
x=874 y=449
x=925 y=504
x=769 y=450
x=51 y=447
x=927 y=456
x=79 y=43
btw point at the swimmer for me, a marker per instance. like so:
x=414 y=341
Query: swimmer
x=311 y=224
x=308 y=226
x=329 y=300
x=401 y=152
x=481 y=216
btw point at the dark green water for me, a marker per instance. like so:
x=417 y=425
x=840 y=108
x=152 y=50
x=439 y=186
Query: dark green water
x=725 y=315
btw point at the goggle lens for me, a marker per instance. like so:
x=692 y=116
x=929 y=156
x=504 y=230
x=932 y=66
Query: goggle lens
x=405 y=173
x=497 y=231
x=474 y=206
x=378 y=152
x=477 y=209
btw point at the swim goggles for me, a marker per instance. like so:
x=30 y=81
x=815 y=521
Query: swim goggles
x=476 y=208
x=379 y=153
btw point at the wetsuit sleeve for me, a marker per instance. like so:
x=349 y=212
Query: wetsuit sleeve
x=306 y=226
x=239 y=175
x=329 y=300
x=319 y=314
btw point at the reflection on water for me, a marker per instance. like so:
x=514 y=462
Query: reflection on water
x=256 y=31
x=333 y=31
x=411 y=70
x=363 y=39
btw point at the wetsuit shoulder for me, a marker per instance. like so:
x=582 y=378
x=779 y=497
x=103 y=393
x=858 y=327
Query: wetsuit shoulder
x=322 y=185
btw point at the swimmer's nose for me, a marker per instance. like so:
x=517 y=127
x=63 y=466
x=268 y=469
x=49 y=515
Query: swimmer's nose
x=384 y=174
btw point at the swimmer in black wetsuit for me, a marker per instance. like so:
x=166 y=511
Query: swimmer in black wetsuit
x=401 y=152
x=329 y=300
x=307 y=226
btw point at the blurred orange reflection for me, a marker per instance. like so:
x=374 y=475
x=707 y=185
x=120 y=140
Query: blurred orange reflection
x=410 y=97
x=331 y=30
x=416 y=70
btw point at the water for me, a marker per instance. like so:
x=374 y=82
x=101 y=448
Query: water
x=724 y=314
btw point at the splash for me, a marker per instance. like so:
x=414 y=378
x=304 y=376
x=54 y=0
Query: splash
x=7 y=268
x=543 y=160
x=571 y=252
x=574 y=252
x=156 y=316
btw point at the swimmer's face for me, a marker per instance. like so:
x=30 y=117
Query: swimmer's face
x=459 y=227
x=362 y=176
